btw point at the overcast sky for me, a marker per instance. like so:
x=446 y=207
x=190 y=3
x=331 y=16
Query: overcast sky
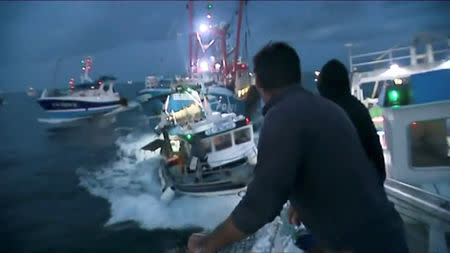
x=133 y=39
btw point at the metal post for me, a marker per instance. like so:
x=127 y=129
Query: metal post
x=429 y=52
x=390 y=56
x=412 y=52
x=191 y=32
x=238 y=36
x=349 y=46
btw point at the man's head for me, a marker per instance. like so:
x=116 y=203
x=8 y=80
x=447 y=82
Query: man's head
x=276 y=67
x=333 y=80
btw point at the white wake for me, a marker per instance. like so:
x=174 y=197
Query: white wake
x=132 y=187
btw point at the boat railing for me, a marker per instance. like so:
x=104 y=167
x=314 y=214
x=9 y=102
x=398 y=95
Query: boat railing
x=423 y=207
x=406 y=56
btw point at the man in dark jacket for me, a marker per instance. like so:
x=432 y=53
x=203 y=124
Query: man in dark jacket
x=309 y=153
x=333 y=83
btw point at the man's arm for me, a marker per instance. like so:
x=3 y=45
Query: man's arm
x=225 y=234
x=279 y=156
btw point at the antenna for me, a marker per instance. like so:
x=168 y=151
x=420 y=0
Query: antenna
x=86 y=67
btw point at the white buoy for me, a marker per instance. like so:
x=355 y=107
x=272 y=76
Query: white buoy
x=167 y=195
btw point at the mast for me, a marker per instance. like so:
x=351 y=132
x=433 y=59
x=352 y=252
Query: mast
x=86 y=66
x=223 y=66
x=191 y=33
x=238 y=36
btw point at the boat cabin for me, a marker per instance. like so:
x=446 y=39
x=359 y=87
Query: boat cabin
x=223 y=147
x=103 y=87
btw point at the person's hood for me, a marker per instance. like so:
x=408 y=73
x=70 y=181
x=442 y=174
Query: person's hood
x=333 y=80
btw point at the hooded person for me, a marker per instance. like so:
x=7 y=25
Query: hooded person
x=333 y=84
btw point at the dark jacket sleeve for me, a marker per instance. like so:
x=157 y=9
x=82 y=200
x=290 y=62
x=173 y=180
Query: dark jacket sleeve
x=370 y=140
x=279 y=156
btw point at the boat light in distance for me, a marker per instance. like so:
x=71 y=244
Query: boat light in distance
x=203 y=28
x=394 y=66
x=398 y=81
x=204 y=66
x=395 y=71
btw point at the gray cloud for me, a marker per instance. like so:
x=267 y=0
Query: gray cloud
x=133 y=39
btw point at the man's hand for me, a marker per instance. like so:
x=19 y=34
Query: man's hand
x=294 y=219
x=198 y=243
x=225 y=234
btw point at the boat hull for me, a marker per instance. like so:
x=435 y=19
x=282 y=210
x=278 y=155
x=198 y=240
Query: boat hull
x=148 y=94
x=71 y=108
x=225 y=184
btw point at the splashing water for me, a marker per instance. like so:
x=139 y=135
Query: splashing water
x=131 y=185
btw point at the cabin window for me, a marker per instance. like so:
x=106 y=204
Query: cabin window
x=430 y=143
x=105 y=87
x=242 y=136
x=222 y=141
x=206 y=144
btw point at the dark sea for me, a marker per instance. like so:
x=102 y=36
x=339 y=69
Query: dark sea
x=89 y=187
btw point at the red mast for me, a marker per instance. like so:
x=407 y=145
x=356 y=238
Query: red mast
x=191 y=34
x=219 y=34
x=238 y=37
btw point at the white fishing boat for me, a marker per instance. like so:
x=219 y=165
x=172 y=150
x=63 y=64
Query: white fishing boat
x=207 y=153
x=81 y=101
x=31 y=92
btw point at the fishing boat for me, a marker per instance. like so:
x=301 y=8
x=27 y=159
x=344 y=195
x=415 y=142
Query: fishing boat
x=155 y=88
x=207 y=153
x=82 y=100
x=407 y=93
x=31 y=92
x=154 y=94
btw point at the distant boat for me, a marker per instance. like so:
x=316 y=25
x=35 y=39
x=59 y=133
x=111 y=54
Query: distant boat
x=155 y=89
x=154 y=94
x=81 y=101
x=31 y=92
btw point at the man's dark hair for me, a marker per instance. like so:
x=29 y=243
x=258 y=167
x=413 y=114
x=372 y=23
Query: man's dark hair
x=277 y=65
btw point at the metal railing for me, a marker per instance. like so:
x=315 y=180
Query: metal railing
x=408 y=55
x=422 y=207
